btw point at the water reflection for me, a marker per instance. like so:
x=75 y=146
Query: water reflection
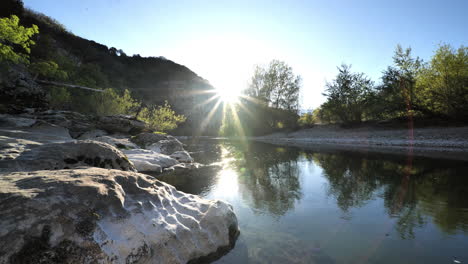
x=267 y=179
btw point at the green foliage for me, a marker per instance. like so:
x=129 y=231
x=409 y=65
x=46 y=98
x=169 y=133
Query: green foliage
x=443 y=84
x=276 y=85
x=307 y=120
x=14 y=37
x=60 y=98
x=161 y=118
x=253 y=119
x=347 y=95
x=48 y=69
x=110 y=102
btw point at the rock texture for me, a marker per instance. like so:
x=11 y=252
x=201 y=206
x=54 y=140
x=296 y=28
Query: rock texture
x=107 y=216
x=144 y=140
x=182 y=156
x=167 y=146
x=120 y=124
x=55 y=156
x=18 y=90
x=147 y=160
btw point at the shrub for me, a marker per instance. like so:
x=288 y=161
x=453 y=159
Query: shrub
x=161 y=118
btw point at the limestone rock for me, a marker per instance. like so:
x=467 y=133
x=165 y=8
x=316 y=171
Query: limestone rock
x=146 y=139
x=119 y=142
x=167 y=146
x=92 y=134
x=53 y=156
x=75 y=122
x=15 y=121
x=18 y=90
x=147 y=160
x=107 y=216
x=121 y=124
x=182 y=156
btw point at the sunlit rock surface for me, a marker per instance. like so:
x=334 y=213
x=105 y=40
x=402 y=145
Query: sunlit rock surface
x=96 y=215
x=167 y=146
x=182 y=156
x=146 y=139
x=147 y=160
x=24 y=155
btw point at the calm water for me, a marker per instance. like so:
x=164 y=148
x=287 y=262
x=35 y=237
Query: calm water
x=297 y=206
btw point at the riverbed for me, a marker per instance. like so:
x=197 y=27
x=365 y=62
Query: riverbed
x=339 y=206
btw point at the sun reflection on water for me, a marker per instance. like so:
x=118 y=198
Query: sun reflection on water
x=226 y=184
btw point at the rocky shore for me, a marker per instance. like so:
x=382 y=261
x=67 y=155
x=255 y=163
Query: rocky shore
x=72 y=190
x=436 y=142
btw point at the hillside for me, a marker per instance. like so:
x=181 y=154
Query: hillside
x=152 y=80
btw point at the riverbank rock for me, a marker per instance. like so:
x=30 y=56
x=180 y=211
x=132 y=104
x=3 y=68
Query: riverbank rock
x=15 y=121
x=167 y=146
x=53 y=156
x=147 y=160
x=120 y=142
x=144 y=140
x=18 y=90
x=120 y=124
x=182 y=156
x=96 y=215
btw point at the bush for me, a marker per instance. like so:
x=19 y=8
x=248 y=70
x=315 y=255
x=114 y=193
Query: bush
x=161 y=118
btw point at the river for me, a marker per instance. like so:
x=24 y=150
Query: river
x=298 y=206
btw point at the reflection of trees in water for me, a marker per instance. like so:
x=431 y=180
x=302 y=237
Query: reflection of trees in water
x=426 y=189
x=268 y=176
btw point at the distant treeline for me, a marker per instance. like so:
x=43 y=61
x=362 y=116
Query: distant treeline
x=410 y=88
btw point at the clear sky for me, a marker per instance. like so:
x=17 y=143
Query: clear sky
x=222 y=40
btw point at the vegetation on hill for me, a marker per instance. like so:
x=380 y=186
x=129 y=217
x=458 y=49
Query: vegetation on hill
x=130 y=84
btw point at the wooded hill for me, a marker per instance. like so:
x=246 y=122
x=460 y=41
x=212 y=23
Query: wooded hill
x=79 y=61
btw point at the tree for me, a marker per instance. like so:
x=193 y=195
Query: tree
x=347 y=95
x=397 y=91
x=443 y=83
x=276 y=85
x=14 y=37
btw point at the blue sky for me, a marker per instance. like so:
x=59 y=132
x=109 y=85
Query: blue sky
x=223 y=40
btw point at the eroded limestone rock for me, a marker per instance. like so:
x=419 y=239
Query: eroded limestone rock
x=167 y=146
x=96 y=215
x=147 y=160
x=182 y=156
x=120 y=124
x=146 y=139
x=54 y=156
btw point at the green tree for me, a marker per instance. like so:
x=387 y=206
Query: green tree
x=14 y=37
x=396 y=94
x=443 y=83
x=161 y=118
x=348 y=95
x=276 y=85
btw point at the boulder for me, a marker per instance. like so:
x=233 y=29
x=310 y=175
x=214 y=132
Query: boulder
x=147 y=160
x=92 y=134
x=75 y=122
x=18 y=90
x=96 y=215
x=182 y=156
x=15 y=121
x=54 y=156
x=121 y=124
x=39 y=132
x=119 y=142
x=167 y=146
x=146 y=139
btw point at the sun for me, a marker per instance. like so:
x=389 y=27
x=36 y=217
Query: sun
x=228 y=95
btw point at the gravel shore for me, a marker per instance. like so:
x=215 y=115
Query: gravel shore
x=437 y=142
